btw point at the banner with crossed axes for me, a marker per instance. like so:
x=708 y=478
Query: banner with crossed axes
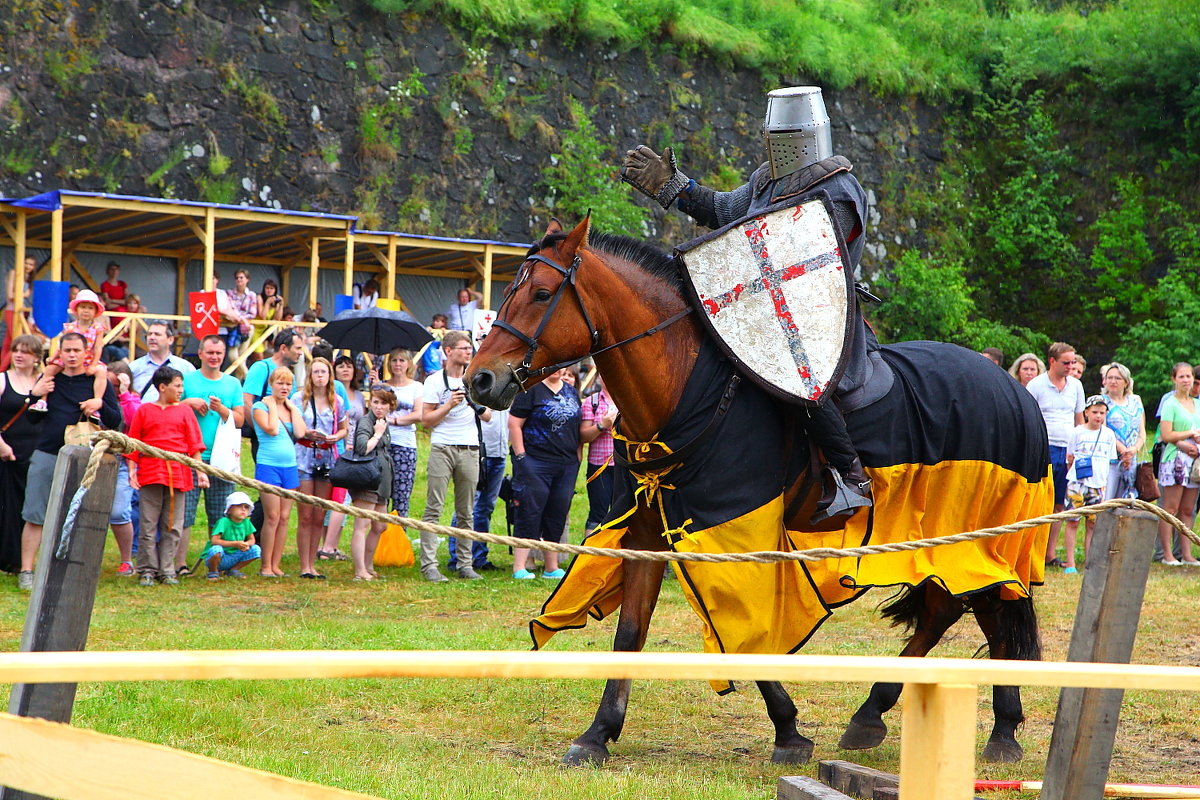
x=202 y=308
x=776 y=293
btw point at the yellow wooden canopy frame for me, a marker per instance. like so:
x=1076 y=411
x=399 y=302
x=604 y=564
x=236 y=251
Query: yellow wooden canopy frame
x=186 y=231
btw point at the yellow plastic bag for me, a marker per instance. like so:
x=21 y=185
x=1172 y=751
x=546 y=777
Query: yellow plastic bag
x=394 y=548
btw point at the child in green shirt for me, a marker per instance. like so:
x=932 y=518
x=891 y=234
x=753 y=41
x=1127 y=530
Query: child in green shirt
x=232 y=541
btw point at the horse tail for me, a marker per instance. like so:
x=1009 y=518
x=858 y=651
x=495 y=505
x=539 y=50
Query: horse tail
x=904 y=606
x=1021 y=634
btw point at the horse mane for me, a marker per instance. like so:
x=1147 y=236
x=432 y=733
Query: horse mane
x=649 y=258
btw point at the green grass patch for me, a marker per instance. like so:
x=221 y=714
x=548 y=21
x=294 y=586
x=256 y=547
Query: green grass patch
x=459 y=739
x=934 y=49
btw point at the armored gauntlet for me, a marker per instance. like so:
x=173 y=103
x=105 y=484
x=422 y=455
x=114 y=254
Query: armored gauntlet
x=653 y=175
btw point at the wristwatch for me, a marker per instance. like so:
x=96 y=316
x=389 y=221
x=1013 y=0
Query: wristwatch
x=518 y=456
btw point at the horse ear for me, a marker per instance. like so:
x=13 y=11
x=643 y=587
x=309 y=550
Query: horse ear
x=579 y=237
x=554 y=227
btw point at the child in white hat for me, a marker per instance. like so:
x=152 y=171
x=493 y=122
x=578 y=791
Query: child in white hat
x=89 y=322
x=232 y=542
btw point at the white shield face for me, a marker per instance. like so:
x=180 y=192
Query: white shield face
x=774 y=290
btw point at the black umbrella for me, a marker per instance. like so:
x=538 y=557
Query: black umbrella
x=375 y=330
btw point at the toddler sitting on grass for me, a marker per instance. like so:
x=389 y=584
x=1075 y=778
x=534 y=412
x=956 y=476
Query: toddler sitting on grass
x=232 y=542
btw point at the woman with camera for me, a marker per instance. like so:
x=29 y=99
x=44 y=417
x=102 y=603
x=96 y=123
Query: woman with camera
x=326 y=425
x=277 y=424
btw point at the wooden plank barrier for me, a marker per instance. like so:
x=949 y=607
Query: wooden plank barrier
x=938 y=729
x=57 y=760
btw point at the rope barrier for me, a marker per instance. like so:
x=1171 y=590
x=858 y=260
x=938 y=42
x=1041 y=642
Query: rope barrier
x=113 y=441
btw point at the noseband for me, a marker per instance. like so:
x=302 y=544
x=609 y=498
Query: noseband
x=524 y=371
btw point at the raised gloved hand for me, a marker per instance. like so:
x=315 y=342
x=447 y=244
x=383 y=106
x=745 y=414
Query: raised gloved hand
x=653 y=175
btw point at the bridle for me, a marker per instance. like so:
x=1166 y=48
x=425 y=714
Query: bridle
x=524 y=370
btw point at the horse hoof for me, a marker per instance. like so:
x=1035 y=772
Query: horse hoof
x=1002 y=752
x=793 y=754
x=585 y=755
x=862 y=737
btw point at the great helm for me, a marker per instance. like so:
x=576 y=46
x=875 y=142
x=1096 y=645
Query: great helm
x=796 y=129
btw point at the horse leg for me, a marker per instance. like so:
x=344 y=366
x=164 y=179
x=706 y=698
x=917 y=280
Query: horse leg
x=641 y=583
x=929 y=610
x=1010 y=627
x=790 y=746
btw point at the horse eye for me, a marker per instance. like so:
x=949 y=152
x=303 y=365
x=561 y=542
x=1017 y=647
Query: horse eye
x=541 y=295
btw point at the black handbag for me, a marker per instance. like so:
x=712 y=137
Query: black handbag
x=356 y=473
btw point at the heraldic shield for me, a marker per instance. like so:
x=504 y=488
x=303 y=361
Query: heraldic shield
x=776 y=294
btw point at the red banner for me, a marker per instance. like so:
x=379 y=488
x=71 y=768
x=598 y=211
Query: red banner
x=202 y=308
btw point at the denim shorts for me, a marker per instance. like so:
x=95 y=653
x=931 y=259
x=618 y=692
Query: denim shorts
x=122 y=507
x=283 y=477
x=231 y=560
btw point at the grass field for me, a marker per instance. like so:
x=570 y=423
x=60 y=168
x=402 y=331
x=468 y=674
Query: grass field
x=472 y=739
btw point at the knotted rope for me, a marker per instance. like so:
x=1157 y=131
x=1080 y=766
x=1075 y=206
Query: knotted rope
x=106 y=441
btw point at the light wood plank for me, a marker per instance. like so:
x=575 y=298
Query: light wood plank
x=937 y=742
x=57 y=760
x=279 y=664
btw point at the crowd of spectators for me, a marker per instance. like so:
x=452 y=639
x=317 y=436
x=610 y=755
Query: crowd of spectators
x=1099 y=446
x=301 y=410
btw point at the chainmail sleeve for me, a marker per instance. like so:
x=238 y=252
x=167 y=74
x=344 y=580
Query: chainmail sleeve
x=713 y=209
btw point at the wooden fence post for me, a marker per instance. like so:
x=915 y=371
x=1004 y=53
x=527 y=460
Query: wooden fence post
x=1110 y=604
x=64 y=588
x=937 y=741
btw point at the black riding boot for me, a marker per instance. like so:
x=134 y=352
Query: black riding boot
x=847 y=487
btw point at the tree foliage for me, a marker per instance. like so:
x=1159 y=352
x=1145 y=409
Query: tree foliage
x=580 y=180
x=930 y=299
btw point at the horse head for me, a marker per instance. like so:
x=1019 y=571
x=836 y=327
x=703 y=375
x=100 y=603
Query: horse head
x=542 y=323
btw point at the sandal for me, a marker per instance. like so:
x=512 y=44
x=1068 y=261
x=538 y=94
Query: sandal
x=183 y=572
x=325 y=555
x=1055 y=562
x=312 y=576
x=214 y=576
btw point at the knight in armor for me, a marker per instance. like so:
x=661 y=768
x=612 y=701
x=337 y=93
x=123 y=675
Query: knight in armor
x=800 y=161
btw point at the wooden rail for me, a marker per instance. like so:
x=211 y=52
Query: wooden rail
x=937 y=732
x=277 y=664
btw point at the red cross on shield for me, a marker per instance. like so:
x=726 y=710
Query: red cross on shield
x=202 y=308
x=775 y=293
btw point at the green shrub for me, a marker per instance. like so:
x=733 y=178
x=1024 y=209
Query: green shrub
x=582 y=177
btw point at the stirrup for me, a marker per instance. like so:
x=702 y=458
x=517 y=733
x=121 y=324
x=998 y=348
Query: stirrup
x=845 y=499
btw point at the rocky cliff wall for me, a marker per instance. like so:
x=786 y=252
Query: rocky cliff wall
x=411 y=124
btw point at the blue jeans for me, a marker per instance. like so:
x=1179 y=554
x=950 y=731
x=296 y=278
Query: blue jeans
x=544 y=490
x=1058 y=467
x=600 y=493
x=485 y=503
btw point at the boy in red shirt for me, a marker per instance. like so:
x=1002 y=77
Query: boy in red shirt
x=169 y=425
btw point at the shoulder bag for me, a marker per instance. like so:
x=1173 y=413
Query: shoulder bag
x=357 y=473
x=1145 y=483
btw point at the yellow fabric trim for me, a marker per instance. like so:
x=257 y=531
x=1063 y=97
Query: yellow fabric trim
x=923 y=501
x=592 y=585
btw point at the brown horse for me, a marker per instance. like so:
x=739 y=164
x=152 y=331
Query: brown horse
x=621 y=301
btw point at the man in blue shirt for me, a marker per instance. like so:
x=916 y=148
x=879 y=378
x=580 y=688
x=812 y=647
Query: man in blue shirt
x=160 y=338
x=215 y=397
